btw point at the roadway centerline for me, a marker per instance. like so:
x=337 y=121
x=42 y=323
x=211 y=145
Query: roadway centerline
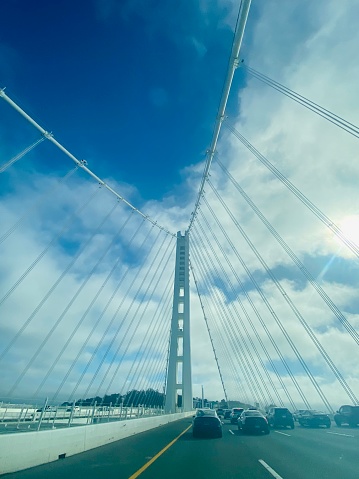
x=269 y=469
x=151 y=461
x=230 y=430
x=283 y=433
x=339 y=434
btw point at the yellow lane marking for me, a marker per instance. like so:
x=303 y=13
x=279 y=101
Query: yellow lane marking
x=143 y=468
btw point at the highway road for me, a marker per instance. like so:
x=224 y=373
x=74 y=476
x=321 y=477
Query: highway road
x=171 y=452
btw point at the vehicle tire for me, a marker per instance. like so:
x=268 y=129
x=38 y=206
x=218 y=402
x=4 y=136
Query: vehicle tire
x=338 y=423
x=292 y=426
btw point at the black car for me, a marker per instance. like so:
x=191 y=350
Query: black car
x=347 y=415
x=280 y=417
x=312 y=418
x=236 y=412
x=206 y=423
x=252 y=420
x=219 y=411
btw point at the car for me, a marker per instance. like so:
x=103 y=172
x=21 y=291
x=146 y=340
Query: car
x=347 y=415
x=75 y=408
x=252 y=420
x=47 y=409
x=313 y=418
x=220 y=411
x=206 y=423
x=227 y=413
x=280 y=417
x=235 y=413
x=297 y=414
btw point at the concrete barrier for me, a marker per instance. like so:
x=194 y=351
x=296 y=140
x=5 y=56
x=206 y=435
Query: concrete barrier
x=23 y=450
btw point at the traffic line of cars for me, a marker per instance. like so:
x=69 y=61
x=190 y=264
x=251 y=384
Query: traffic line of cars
x=207 y=421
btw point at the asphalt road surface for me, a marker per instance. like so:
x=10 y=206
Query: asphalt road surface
x=170 y=452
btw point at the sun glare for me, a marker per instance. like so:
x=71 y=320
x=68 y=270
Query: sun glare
x=350 y=228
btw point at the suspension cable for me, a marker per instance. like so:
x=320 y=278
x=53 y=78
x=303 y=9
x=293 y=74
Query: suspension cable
x=229 y=282
x=314 y=209
x=72 y=300
x=99 y=319
x=84 y=315
x=263 y=324
x=80 y=163
x=244 y=338
x=220 y=312
x=18 y=157
x=209 y=331
x=151 y=284
x=311 y=105
x=345 y=323
x=295 y=311
x=114 y=337
x=31 y=267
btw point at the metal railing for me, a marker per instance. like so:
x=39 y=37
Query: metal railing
x=27 y=417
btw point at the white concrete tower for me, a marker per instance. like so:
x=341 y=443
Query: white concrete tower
x=179 y=374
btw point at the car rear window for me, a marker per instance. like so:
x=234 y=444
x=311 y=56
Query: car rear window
x=206 y=412
x=207 y=419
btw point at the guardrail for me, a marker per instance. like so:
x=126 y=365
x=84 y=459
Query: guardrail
x=22 y=418
x=29 y=449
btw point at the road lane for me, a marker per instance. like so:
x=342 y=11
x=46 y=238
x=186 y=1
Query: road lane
x=118 y=460
x=289 y=454
x=206 y=458
x=308 y=453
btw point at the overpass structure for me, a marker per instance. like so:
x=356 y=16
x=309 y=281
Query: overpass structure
x=102 y=302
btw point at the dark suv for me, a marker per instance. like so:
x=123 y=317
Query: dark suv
x=280 y=417
x=347 y=415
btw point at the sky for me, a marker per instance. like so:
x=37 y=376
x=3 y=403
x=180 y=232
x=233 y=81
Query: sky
x=133 y=88
x=140 y=80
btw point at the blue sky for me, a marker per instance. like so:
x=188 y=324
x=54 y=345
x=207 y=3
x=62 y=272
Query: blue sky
x=133 y=87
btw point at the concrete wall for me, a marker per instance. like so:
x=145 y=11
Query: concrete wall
x=23 y=450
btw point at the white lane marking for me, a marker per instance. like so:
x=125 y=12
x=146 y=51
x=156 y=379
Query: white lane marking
x=230 y=430
x=269 y=469
x=283 y=433
x=339 y=434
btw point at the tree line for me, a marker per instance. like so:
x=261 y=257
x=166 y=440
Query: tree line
x=149 y=398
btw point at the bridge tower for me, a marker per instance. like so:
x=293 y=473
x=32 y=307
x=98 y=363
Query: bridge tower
x=179 y=374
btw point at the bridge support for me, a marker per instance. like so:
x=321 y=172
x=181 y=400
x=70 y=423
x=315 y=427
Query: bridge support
x=179 y=374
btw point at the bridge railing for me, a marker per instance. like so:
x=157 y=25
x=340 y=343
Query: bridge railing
x=25 y=417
